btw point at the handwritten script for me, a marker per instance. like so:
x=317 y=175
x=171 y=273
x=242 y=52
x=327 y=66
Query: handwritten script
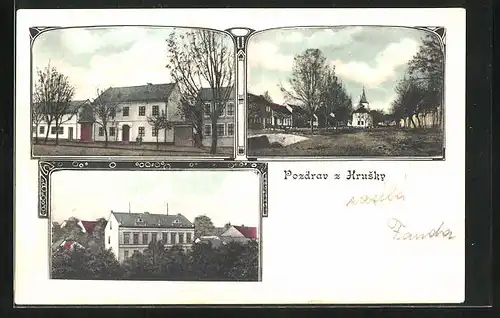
x=392 y=193
x=401 y=233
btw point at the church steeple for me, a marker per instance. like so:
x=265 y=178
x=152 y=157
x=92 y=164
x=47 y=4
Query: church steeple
x=362 y=100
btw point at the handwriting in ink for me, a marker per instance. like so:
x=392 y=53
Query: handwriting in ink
x=401 y=233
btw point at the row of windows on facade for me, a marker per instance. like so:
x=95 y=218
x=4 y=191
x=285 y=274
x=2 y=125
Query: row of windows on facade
x=222 y=130
x=53 y=130
x=167 y=237
x=155 y=110
x=228 y=110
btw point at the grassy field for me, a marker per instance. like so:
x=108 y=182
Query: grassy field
x=380 y=142
x=98 y=149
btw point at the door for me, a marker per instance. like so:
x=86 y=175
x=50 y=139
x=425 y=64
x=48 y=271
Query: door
x=126 y=133
x=70 y=133
x=86 y=132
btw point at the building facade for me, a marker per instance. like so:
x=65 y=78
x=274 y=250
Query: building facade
x=69 y=129
x=135 y=105
x=127 y=233
x=361 y=117
x=225 y=121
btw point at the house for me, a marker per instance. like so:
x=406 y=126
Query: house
x=301 y=118
x=258 y=112
x=135 y=105
x=127 y=233
x=69 y=129
x=241 y=234
x=361 y=117
x=225 y=121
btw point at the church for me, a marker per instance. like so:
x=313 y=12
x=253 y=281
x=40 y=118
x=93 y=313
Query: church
x=361 y=117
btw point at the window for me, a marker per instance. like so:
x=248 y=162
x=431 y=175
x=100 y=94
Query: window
x=207 y=109
x=164 y=236
x=125 y=254
x=154 y=132
x=181 y=238
x=142 y=131
x=145 y=238
x=172 y=238
x=189 y=238
x=156 y=110
x=109 y=239
x=268 y=109
x=230 y=109
x=220 y=129
x=153 y=237
x=230 y=129
x=126 y=238
x=101 y=131
x=53 y=130
x=208 y=130
x=42 y=129
x=136 y=238
x=142 y=110
x=112 y=131
x=126 y=111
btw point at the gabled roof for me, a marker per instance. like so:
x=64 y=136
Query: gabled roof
x=73 y=107
x=142 y=93
x=151 y=220
x=281 y=109
x=257 y=99
x=88 y=226
x=206 y=94
x=247 y=231
x=361 y=109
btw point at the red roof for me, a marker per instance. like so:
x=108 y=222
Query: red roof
x=67 y=244
x=89 y=226
x=248 y=232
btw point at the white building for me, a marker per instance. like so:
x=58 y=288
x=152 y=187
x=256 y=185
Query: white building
x=361 y=117
x=126 y=233
x=69 y=129
x=225 y=122
x=135 y=105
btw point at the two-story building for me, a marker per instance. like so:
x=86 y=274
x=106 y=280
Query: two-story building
x=259 y=115
x=126 y=233
x=135 y=104
x=225 y=121
x=69 y=128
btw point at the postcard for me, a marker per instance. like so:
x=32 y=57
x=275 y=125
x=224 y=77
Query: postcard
x=240 y=156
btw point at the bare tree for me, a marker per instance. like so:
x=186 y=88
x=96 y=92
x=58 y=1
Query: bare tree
x=197 y=59
x=309 y=74
x=36 y=116
x=158 y=123
x=53 y=93
x=105 y=107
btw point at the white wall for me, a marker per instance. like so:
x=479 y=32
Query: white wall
x=365 y=118
x=69 y=121
x=111 y=235
x=225 y=140
x=143 y=245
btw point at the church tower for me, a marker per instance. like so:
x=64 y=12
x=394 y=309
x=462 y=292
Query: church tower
x=363 y=101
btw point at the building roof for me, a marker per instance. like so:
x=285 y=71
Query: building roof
x=73 y=107
x=361 y=109
x=297 y=109
x=143 y=93
x=151 y=220
x=88 y=226
x=206 y=94
x=362 y=99
x=247 y=231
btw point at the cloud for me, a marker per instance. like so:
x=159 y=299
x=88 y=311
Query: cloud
x=394 y=55
x=384 y=104
x=265 y=55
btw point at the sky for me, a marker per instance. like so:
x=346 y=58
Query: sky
x=224 y=196
x=98 y=58
x=373 y=57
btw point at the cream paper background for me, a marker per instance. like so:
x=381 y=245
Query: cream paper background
x=315 y=250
